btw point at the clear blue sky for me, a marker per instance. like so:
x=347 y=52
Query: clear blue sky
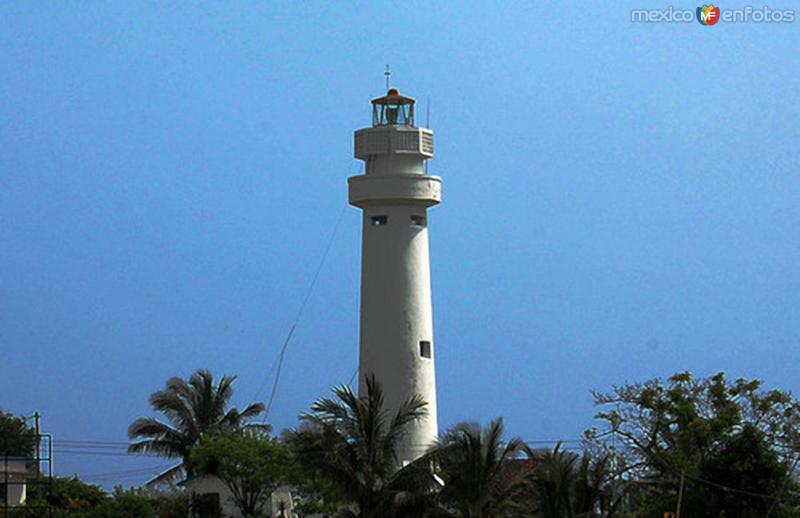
x=621 y=201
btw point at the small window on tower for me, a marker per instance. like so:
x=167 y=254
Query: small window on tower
x=425 y=349
x=417 y=221
x=378 y=221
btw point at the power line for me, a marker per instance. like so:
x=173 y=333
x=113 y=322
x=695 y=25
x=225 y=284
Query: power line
x=69 y=441
x=89 y=446
x=101 y=453
x=789 y=478
x=732 y=489
x=675 y=471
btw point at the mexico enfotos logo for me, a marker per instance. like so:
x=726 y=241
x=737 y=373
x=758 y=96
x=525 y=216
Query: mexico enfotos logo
x=708 y=14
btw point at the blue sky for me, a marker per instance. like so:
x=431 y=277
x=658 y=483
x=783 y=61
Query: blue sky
x=620 y=202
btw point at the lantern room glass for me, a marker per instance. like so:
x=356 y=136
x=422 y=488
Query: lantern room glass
x=393 y=110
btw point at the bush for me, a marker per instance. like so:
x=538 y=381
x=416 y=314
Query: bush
x=170 y=505
x=123 y=503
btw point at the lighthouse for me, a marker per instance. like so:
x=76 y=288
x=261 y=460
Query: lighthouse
x=396 y=325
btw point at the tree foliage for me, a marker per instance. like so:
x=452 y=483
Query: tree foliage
x=194 y=408
x=16 y=438
x=70 y=497
x=731 y=441
x=251 y=464
x=124 y=503
x=352 y=443
x=475 y=466
x=67 y=496
x=565 y=484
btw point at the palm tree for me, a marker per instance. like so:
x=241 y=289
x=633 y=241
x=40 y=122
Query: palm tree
x=193 y=409
x=483 y=477
x=352 y=443
x=566 y=485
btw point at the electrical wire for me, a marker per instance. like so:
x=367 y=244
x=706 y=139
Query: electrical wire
x=100 y=453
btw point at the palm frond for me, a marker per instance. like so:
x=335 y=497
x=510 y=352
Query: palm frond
x=330 y=410
x=412 y=410
x=252 y=410
x=350 y=442
x=157 y=447
x=193 y=408
x=476 y=466
x=155 y=429
x=173 y=404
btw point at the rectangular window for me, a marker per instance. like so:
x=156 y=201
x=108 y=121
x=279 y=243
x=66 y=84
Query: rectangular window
x=3 y=493
x=425 y=349
x=206 y=505
x=378 y=221
x=417 y=221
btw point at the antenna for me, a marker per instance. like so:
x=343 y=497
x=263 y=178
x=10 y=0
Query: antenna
x=388 y=74
x=428 y=113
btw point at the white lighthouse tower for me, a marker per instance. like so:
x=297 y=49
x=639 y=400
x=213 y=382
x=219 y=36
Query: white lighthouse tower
x=397 y=344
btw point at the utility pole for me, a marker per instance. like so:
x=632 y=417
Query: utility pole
x=37 y=430
x=680 y=495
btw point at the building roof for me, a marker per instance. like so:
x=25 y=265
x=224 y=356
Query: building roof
x=165 y=479
x=514 y=469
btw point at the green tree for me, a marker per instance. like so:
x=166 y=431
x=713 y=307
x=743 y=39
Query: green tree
x=16 y=438
x=747 y=465
x=729 y=440
x=194 y=408
x=352 y=443
x=251 y=464
x=476 y=468
x=312 y=496
x=170 y=504
x=67 y=497
x=73 y=498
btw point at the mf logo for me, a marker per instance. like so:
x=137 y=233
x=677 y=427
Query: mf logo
x=708 y=14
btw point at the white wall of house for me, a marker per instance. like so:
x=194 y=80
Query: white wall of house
x=13 y=473
x=205 y=484
x=16 y=493
x=282 y=503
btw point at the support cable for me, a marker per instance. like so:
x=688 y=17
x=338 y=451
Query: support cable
x=286 y=342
